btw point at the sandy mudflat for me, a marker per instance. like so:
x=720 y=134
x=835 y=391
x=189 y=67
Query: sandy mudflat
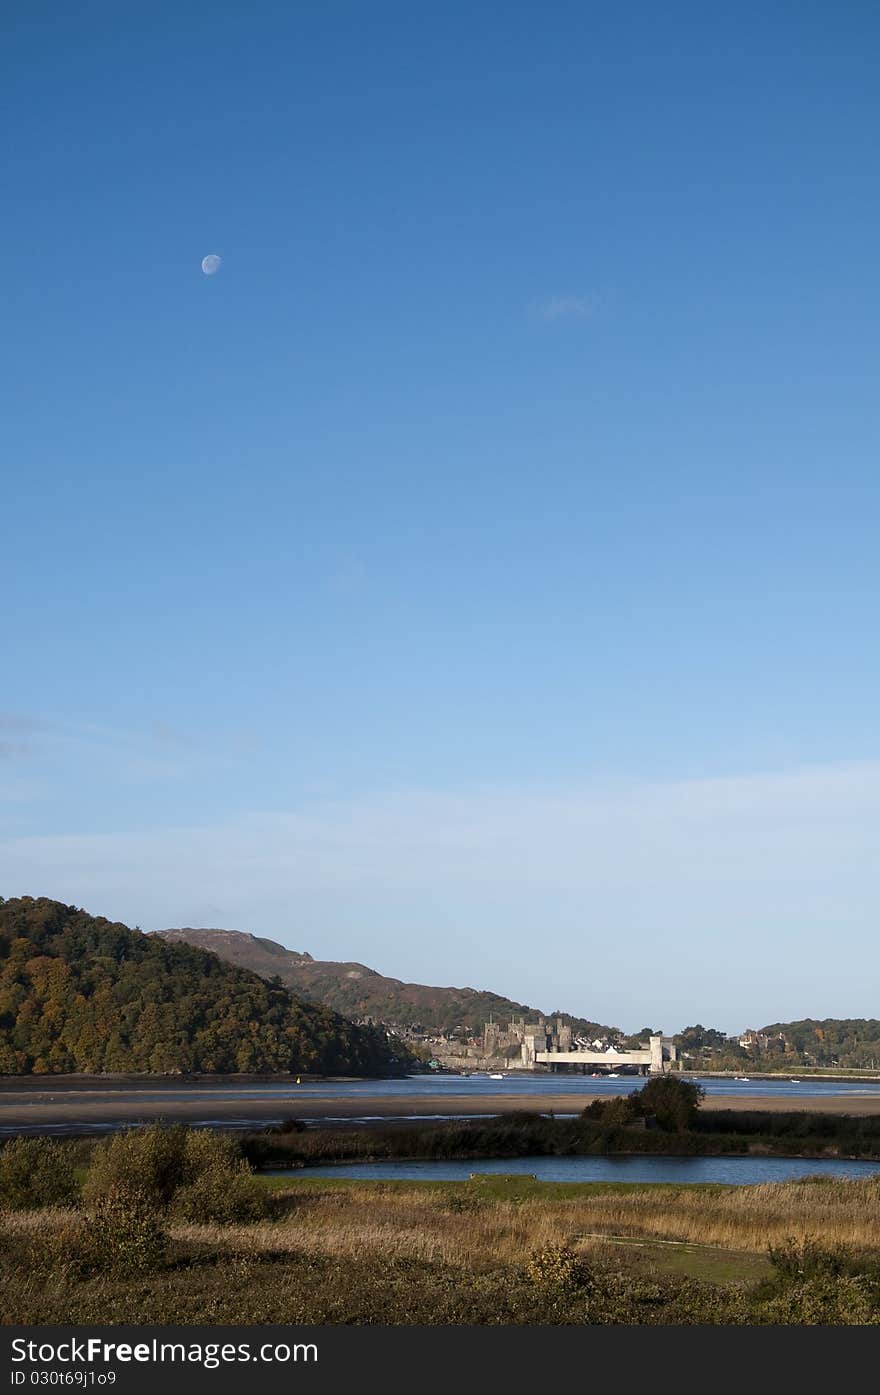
x=75 y=1105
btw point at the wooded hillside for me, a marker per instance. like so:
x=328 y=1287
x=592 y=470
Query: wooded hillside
x=358 y=991
x=80 y=993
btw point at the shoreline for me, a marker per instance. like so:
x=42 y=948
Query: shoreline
x=42 y=1108
x=303 y=1169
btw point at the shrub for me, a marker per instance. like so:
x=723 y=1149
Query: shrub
x=798 y=1261
x=219 y=1185
x=673 y=1102
x=620 y=1109
x=204 y=1150
x=461 y=1205
x=197 y=1174
x=557 y=1267
x=222 y=1195
x=54 y=1250
x=825 y=1300
x=36 y=1172
x=149 y=1162
x=123 y=1235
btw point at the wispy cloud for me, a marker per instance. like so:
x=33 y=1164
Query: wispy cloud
x=19 y=721
x=17 y=735
x=755 y=894
x=152 y=753
x=14 y=750
x=18 y=792
x=564 y=307
x=165 y=735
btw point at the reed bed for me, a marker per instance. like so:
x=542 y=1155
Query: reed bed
x=408 y=1226
x=744 y=1218
x=431 y=1225
x=24 y=1224
x=466 y=1230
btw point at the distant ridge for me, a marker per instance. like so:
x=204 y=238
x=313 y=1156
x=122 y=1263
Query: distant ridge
x=358 y=991
x=81 y=993
x=239 y=947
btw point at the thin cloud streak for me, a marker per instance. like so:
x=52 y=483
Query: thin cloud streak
x=153 y=754
x=564 y=307
x=19 y=721
x=772 y=876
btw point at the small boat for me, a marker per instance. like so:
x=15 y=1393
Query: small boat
x=744 y=1078
x=496 y=1077
x=793 y=1081
x=613 y=1075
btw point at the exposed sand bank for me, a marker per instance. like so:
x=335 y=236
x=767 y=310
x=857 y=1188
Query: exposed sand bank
x=69 y=1105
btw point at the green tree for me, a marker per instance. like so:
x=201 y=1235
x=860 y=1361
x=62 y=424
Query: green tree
x=36 y=1172
x=620 y=1109
x=673 y=1102
x=78 y=993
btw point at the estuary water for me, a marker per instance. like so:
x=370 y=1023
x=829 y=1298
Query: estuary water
x=534 y=1083
x=71 y=1104
x=735 y=1171
x=435 y=1087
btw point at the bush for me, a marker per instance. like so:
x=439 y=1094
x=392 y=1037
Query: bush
x=197 y=1174
x=223 y=1196
x=122 y=1236
x=149 y=1162
x=36 y=1172
x=54 y=1250
x=850 y=1300
x=204 y=1150
x=557 y=1267
x=620 y=1109
x=461 y=1205
x=221 y=1186
x=674 y=1103
x=819 y=1284
x=798 y=1261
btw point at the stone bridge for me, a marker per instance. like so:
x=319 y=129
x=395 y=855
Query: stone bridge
x=655 y=1058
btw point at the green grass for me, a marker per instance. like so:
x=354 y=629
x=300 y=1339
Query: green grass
x=709 y=1263
x=518 y=1186
x=495 y=1248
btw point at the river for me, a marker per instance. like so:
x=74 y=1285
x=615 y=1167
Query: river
x=735 y=1171
x=72 y=1104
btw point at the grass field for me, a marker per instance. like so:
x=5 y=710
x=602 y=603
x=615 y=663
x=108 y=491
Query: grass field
x=498 y=1248
x=511 y=1214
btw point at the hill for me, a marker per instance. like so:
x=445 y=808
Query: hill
x=358 y=991
x=81 y=993
x=851 y=1043
x=830 y=1041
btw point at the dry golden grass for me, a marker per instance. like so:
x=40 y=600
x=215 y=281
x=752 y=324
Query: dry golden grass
x=395 y=1226
x=429 y=1225
x=25 y=1223
x=423 y=1224
x=744 y=1218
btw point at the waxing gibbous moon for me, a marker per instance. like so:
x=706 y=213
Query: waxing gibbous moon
x=211 y=264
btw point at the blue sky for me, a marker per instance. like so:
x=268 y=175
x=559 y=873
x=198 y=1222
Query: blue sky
x=478 y=576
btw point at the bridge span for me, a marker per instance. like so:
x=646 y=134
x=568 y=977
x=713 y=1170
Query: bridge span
x=653 y=1058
